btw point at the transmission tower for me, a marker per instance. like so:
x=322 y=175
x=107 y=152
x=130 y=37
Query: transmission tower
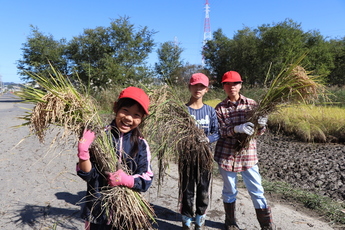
x=207 y=28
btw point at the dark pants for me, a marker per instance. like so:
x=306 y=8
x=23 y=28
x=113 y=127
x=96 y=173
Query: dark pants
x=100 y=227
x=190 y=180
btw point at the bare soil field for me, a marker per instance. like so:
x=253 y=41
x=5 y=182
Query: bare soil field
x=315 y=167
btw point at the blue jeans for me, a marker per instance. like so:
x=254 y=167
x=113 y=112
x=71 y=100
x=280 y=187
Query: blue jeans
x=251 y=179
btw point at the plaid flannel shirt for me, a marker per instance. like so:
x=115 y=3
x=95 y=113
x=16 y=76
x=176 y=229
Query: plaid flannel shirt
x=230 y=115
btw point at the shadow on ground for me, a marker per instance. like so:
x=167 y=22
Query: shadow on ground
x=32 y=215
x=166 y=216
x=40 y=217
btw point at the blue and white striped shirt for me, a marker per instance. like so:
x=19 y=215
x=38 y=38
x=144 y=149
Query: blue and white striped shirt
x=206 y=119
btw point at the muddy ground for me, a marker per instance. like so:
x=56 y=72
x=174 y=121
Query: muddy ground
x=315 y=167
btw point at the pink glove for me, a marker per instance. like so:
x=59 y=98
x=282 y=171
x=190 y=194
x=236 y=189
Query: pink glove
x=84 y=144
x=120 y=178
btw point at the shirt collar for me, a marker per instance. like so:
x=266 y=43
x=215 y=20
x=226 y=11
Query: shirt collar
x=239 y=101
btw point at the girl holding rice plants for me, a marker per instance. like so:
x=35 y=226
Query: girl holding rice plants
x=193 y=173
x=233 y=113
x=133 y=158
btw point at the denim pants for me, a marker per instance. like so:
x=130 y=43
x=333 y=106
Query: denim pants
x=252 y=180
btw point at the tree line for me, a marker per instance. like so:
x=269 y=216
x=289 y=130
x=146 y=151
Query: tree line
x=262 y=52
x=117 y=55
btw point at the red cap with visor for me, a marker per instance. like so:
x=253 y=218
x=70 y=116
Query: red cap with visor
x=231 y=76
x=199 y=78
x=138 y=95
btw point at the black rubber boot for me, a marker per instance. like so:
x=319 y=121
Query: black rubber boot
x=265 y=218
x=230 y=220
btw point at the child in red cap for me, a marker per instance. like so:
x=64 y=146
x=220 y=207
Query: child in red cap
x=232 y=115
x=206 y=119
x=131 y=148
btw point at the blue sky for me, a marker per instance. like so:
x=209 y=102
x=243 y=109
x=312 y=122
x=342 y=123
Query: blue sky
x=180 y=19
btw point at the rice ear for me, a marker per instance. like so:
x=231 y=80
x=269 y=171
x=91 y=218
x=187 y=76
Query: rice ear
x=292 y=85
x=173 y=133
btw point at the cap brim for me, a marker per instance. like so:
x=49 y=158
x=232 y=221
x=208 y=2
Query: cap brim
x=194 y=83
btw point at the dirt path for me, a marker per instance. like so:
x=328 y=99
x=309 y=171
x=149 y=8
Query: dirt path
x=40 y=189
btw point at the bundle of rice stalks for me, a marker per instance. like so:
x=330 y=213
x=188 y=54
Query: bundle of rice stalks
x=292 y=85
x=174 y=134
x=59 y=104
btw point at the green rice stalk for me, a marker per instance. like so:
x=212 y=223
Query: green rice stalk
x=59 y=103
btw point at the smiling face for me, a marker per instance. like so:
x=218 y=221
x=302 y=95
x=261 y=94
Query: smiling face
x=129 y=117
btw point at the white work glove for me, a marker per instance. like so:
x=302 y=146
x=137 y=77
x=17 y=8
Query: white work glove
x=203 y=140
x=247 y=128
x=262 y=121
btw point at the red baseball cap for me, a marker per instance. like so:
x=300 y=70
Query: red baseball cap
x=199 y=78
x=138 y=95
x=231 y=76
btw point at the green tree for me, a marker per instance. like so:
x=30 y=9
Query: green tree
x=239 y=54
x=263 y=52
x=244 y=52
x=217 y=55
x=169 y=62
x=279 y=45
x=186 y=71
x=109 y=55
x=320 y=58
x=39 y=52
x=337 y=75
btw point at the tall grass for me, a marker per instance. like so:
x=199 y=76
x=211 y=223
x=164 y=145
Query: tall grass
x=174 y=134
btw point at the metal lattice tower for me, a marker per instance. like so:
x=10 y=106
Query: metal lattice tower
x=207 y=28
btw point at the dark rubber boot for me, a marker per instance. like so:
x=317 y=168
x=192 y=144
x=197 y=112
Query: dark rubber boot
x=230 y=220
x=265 y=218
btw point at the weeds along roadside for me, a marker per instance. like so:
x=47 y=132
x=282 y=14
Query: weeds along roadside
x=329 y=209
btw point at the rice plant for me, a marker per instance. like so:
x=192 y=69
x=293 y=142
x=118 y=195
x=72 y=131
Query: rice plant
x=173 y=133
x=311 y=122
x=292 y=85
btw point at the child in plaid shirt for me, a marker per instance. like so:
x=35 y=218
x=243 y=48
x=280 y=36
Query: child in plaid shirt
x=232 y=117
